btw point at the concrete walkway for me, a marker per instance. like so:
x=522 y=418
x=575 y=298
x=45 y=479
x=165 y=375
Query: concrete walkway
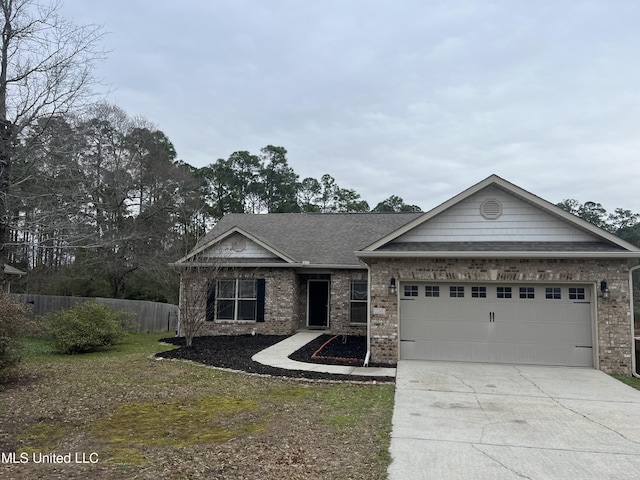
x=278 y=356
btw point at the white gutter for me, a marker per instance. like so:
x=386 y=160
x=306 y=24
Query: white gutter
x=634 y=360
x=495 y=254
x=368 y=355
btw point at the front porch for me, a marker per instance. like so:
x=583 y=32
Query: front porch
x=331 y=301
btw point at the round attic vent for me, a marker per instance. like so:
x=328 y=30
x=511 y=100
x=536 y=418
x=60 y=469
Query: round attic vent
x=491 y=209
x=239 y=244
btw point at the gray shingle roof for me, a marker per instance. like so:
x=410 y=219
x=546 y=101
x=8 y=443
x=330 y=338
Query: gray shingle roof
x=319 y=238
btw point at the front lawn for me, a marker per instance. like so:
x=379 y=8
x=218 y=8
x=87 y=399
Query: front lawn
x=136 y=416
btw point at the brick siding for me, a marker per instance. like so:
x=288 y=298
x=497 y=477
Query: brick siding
x=286 y=297
x=286 y=303
x=613 y=316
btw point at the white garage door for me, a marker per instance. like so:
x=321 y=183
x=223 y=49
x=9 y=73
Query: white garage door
x=527 y=324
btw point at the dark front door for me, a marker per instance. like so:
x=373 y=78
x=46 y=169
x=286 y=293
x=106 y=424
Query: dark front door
x=318 y=303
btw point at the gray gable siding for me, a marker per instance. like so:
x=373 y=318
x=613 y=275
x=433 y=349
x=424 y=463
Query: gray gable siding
x=519 y=222
x=237 y=246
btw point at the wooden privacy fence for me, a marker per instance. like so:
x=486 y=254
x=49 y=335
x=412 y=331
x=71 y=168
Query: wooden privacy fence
x=150 y=316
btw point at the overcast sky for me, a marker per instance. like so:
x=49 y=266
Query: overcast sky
x=416 y=98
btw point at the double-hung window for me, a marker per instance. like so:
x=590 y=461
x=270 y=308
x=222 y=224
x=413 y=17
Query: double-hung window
x=358 y=302
x=236 y=299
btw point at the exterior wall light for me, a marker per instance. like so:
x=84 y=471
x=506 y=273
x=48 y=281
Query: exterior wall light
x=605 y=290
x=393 y=289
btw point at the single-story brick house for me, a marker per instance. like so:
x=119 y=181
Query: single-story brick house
x=495 y=274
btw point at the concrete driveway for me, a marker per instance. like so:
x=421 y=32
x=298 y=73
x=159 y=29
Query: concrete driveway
x=478 y=421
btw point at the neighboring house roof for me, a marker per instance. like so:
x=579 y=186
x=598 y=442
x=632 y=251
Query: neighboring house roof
x=316 y=238
x=9 y=270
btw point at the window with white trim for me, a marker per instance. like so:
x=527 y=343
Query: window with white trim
x=552 y=293
x=431 y=290
x=456 y=292
x=478 y=292
x=527 y=292
x=576 y=293
x=410 y=290
x=358 y=301
x=503 y=292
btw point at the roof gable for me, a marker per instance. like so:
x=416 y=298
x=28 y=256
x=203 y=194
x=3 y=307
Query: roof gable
x=235 y=245
x=495 y=215
x=495 y=212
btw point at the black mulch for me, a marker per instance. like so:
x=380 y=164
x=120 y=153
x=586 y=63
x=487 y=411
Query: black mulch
x=235 y=352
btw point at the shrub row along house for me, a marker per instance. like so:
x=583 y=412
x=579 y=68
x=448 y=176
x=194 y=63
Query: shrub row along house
x=495 y=274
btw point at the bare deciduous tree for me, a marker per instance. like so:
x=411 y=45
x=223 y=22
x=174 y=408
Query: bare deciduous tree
x=198 y=277
x=194 y=289
x=46 y=69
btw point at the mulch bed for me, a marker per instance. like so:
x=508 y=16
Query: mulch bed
x=338 y=351
x=235 y=351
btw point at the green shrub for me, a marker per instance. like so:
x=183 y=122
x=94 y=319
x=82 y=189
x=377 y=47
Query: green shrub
x=86 y=327
x=13 y=324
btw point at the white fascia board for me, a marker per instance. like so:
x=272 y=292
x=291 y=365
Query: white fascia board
x=468 y=254
x=299 y=266
x=321 y=266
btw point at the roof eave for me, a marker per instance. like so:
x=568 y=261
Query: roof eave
x=302 y=265
x=486 y=254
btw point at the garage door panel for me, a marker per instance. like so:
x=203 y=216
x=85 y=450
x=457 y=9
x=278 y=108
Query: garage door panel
x=443 y=331
x=445 y=351
x=535 y=329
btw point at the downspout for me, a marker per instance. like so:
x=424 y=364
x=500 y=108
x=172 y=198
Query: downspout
x=368 y=355
x=180 y=300
x=634 y=360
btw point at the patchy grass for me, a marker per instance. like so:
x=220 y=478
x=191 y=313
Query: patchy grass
x=149 y=418
x=42 y=436
x=210 y=419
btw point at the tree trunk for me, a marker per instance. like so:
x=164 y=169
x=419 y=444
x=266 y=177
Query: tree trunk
x=5 y=182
